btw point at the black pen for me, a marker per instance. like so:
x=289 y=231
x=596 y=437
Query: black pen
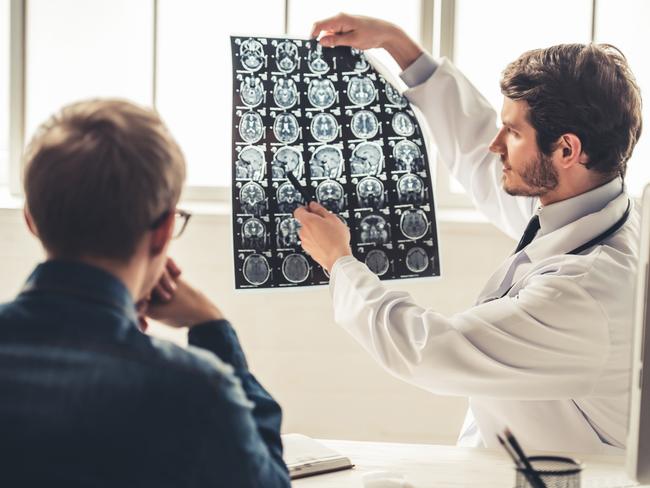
x=529 y=472
x=296 y=184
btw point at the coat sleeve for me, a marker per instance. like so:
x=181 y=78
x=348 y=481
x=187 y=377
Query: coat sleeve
x=462 y=124
x=548 y=342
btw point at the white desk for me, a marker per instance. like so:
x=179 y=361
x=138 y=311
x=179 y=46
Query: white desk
x=428 y=466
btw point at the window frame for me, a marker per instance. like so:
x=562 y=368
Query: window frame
x=16 y=136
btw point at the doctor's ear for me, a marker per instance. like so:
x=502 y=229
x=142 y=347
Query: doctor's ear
x=570 y=151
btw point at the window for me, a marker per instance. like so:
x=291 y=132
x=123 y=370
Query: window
x=193 y=91
x=488 y=35
x=625 y=25
x=4 y=92
x=78 y=49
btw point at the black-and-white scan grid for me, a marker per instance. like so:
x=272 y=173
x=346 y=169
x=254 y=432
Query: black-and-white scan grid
x=350 y=138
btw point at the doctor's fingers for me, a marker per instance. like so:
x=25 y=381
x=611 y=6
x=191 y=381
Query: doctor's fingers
x=352 y=39
x=338 y=23
x=308 y=220
x=318 y=209
x=301 y=214
x=307 y=243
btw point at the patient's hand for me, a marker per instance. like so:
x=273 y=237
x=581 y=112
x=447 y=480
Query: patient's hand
x=166 y=286
x=174 y=302
x=322 y=234
x=186 y=307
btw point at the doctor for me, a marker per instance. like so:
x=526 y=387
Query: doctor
x=546 y=349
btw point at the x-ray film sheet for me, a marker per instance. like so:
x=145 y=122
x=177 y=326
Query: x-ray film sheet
x=352 y=141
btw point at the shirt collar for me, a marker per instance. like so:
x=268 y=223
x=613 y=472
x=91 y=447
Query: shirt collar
x=556 y=215
x=86 y=282
x=574 y=222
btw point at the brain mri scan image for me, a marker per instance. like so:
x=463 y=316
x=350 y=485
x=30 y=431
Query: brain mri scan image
x=285 y=93
x=251 y=53
x=413 y=223
x=407 y=156
x=256 y=269
x=361 y=63
x=251 y=91
x=288 y=198
x=330 y=195
x=326 y=162
x=410 y=189
x=253 y=234
x=285 y=128
x=367 y=159
x=373 y=230
x=377 y=262
x=251 y=127
x=286 y=56
x=286 y=159
x=324 y=127
x=321 y=93
x=252 y=198
x=370 y=193
x=394 y=97
x=354 y=143
x=417 y=260
x=250 y=164
x=317 y=63
x=364 y=124
x=361 y=90
x=295 y=268
x=287 y=233
x=402 y=124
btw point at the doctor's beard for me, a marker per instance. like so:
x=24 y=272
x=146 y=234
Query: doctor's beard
x=538 y=177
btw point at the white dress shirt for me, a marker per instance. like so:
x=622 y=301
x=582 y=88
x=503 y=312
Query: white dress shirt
x=546 y=349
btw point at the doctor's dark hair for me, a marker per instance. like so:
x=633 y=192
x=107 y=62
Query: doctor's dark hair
x=584 y=89
x=98 y=174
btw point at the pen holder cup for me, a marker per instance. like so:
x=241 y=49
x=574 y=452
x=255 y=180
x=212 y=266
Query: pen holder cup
x=554 y=471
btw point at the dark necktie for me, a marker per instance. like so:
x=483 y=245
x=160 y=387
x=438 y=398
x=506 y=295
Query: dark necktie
x=529 y=233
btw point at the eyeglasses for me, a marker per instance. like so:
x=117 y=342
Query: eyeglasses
x=181 y=218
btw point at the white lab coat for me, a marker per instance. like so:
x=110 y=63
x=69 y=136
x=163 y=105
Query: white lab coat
x=551 y=359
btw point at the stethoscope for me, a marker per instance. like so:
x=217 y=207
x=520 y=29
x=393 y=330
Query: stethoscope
x=596 y=240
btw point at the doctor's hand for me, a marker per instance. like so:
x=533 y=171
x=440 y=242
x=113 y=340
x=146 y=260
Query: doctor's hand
x=366 y=33
x=322 y=234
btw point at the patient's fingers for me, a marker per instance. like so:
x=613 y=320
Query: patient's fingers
x=173 y=268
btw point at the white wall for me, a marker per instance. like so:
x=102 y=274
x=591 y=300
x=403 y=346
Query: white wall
x=327 y=384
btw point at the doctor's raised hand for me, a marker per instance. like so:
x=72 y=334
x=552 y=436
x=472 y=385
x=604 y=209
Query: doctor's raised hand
x=367 y=33
x=323 y=235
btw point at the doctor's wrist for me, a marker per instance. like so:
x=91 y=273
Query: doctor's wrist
x=334 y=257
x=401 y=47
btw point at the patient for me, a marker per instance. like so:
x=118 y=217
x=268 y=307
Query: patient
x=86 y=398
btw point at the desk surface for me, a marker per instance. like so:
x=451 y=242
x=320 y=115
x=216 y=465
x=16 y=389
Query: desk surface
x=429 y=466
